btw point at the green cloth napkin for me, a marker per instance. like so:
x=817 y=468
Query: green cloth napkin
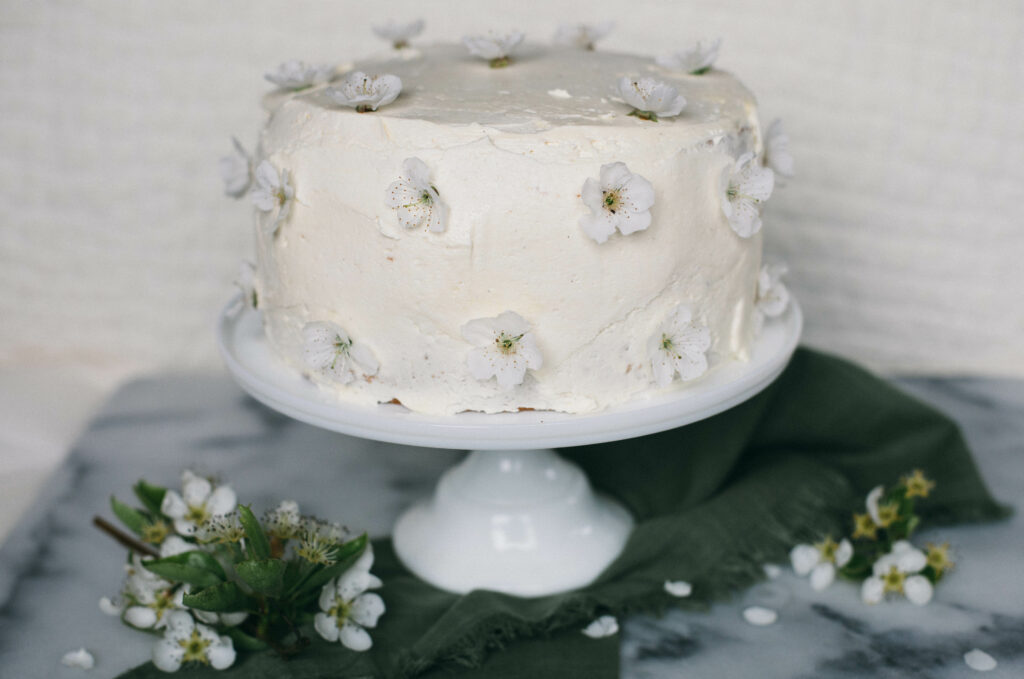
x=713 y=501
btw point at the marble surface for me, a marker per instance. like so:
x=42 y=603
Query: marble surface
x=55 y=566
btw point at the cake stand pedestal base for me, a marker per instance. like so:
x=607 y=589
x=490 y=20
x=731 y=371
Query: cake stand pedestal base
x=522 y=522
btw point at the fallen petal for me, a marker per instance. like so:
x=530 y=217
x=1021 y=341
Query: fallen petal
x=605 y=626
x=760 y=616
x=679 y=588
x=979 y=660
x=82 y=658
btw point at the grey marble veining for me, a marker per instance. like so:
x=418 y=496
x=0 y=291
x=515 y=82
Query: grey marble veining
x=54 y=567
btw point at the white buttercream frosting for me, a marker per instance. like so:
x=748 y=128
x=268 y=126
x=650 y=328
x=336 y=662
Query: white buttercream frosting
x=508 y=159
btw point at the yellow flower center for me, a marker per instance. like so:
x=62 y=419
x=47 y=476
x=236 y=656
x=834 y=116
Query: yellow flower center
x=507 y=343
x=197 y=514
x=156 y=532
x=612 y=200
x=937 y=557
x=888 y=513
x=195 y=648
x=827 y=548
x=340 y=611
x=893 y=580
x=316 y=550
x=864 y=527
x=916 y=485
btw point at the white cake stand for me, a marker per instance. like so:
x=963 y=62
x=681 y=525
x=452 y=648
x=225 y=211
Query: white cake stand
x=513 y=516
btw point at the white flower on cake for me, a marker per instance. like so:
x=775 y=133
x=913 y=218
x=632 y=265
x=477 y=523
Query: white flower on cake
x=298 y=75
x=651 y=99
x=348 y=609
x=679 y=346
x=415 y=199
x=497 y=48
x=583 y=36
x=604 y=626
x=504 y=348
x=776 y=149
x=198 y=502
x=898 y=572
x=330 y=352
x=246 y=282
x=185 y=641
x=366 y=92
x=273 y=194
x=236 y=171
x=772 y=294
x=745 y=185
x=619 y=200
x=696 y=59
x=821 y=560
x=398 y=34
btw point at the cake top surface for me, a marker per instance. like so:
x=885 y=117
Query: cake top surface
x=543 y=87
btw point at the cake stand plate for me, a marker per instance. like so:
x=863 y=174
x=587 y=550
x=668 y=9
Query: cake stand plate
x=513 y=516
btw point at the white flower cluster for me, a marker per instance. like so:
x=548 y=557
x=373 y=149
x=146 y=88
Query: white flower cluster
x=348 y=609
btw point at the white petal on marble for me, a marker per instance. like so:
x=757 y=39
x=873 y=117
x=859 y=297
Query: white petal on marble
x=678 y=588
x=872 y=590
x=759 y=616
x=108 y=607
x=804 y=558
x=844 y=553
x=772 y=571
x=79 y=658
x=980 y=661
x=605 y=626
x=918 y=590
x=822 y=575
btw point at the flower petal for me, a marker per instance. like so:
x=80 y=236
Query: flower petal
x=872 y=590
x=142 y=617
x=355 y=637
x=222 y=501
x=598 y=226
x=328 y=596
x=979 y=661
x=760 y=616
x=326 y=626
x=167 y=655
x=267 y=177
x=804 y=558
x=678 y=588
x=843 y=553
x=604 y=626
x=173 y=506
x=367 y=609
x=195 y=490
x=918 y=590
x=872 y=503
x=221 y=654
x=822 y=575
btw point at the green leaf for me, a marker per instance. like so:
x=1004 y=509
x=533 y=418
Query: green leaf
x=129 y=516
x=255 y=538
x=245 y=642
x=227 y=597
x=195 y=567
x=264 y=577
x=150 y=496
x=346 y=555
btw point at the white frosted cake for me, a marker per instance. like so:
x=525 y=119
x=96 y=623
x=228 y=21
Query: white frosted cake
x=496 y=239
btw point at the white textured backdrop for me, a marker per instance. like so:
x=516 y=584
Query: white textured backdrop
x=903 y=227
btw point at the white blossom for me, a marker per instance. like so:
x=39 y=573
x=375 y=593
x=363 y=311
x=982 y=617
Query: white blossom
x=604 y=626
x=366 y=92
x=298 y=75
x=112 y=607
x=79 y=658
x=348 y=609
x=246 y=282
x=582 y=36
x=651 y=99
x=745 y=185
x=236 y=170
x=619 y=200
x=679 y=346
x=332 y=353
x=678 y=588
x=776 y=149
x=497 y=48
x=504 y=348
x=151 y=610
x=415 y=199
x=185 y=641
x=198 y=502
x=284 y=522
x=898 y=572
x=273 y=194
x=821 y=561
x=398 y=34
x=760 y=616
x=980 y=661
x=772 y=294
x=174 y=545
x=695 y=59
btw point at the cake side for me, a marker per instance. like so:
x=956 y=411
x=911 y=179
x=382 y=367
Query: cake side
x=512 y=239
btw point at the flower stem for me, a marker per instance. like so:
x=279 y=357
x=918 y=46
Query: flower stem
x=122 y=537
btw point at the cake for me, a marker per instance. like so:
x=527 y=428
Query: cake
x=498 y=239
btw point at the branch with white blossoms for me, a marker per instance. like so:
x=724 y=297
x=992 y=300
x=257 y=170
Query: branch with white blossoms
x=330 y=353
x=744 y=186
x=772 y=298
x=618 y=199
x=297 y=75
x=878 y=553
x=415 y=199
x=364 y=92
x=397 y=33
x=696 y=59
x=273 y=194
x=236 y=170
x=582 y=36
x=680 y=345
x=496 y=48
x=504 y=348
x=216 y=581
x=651 y=99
